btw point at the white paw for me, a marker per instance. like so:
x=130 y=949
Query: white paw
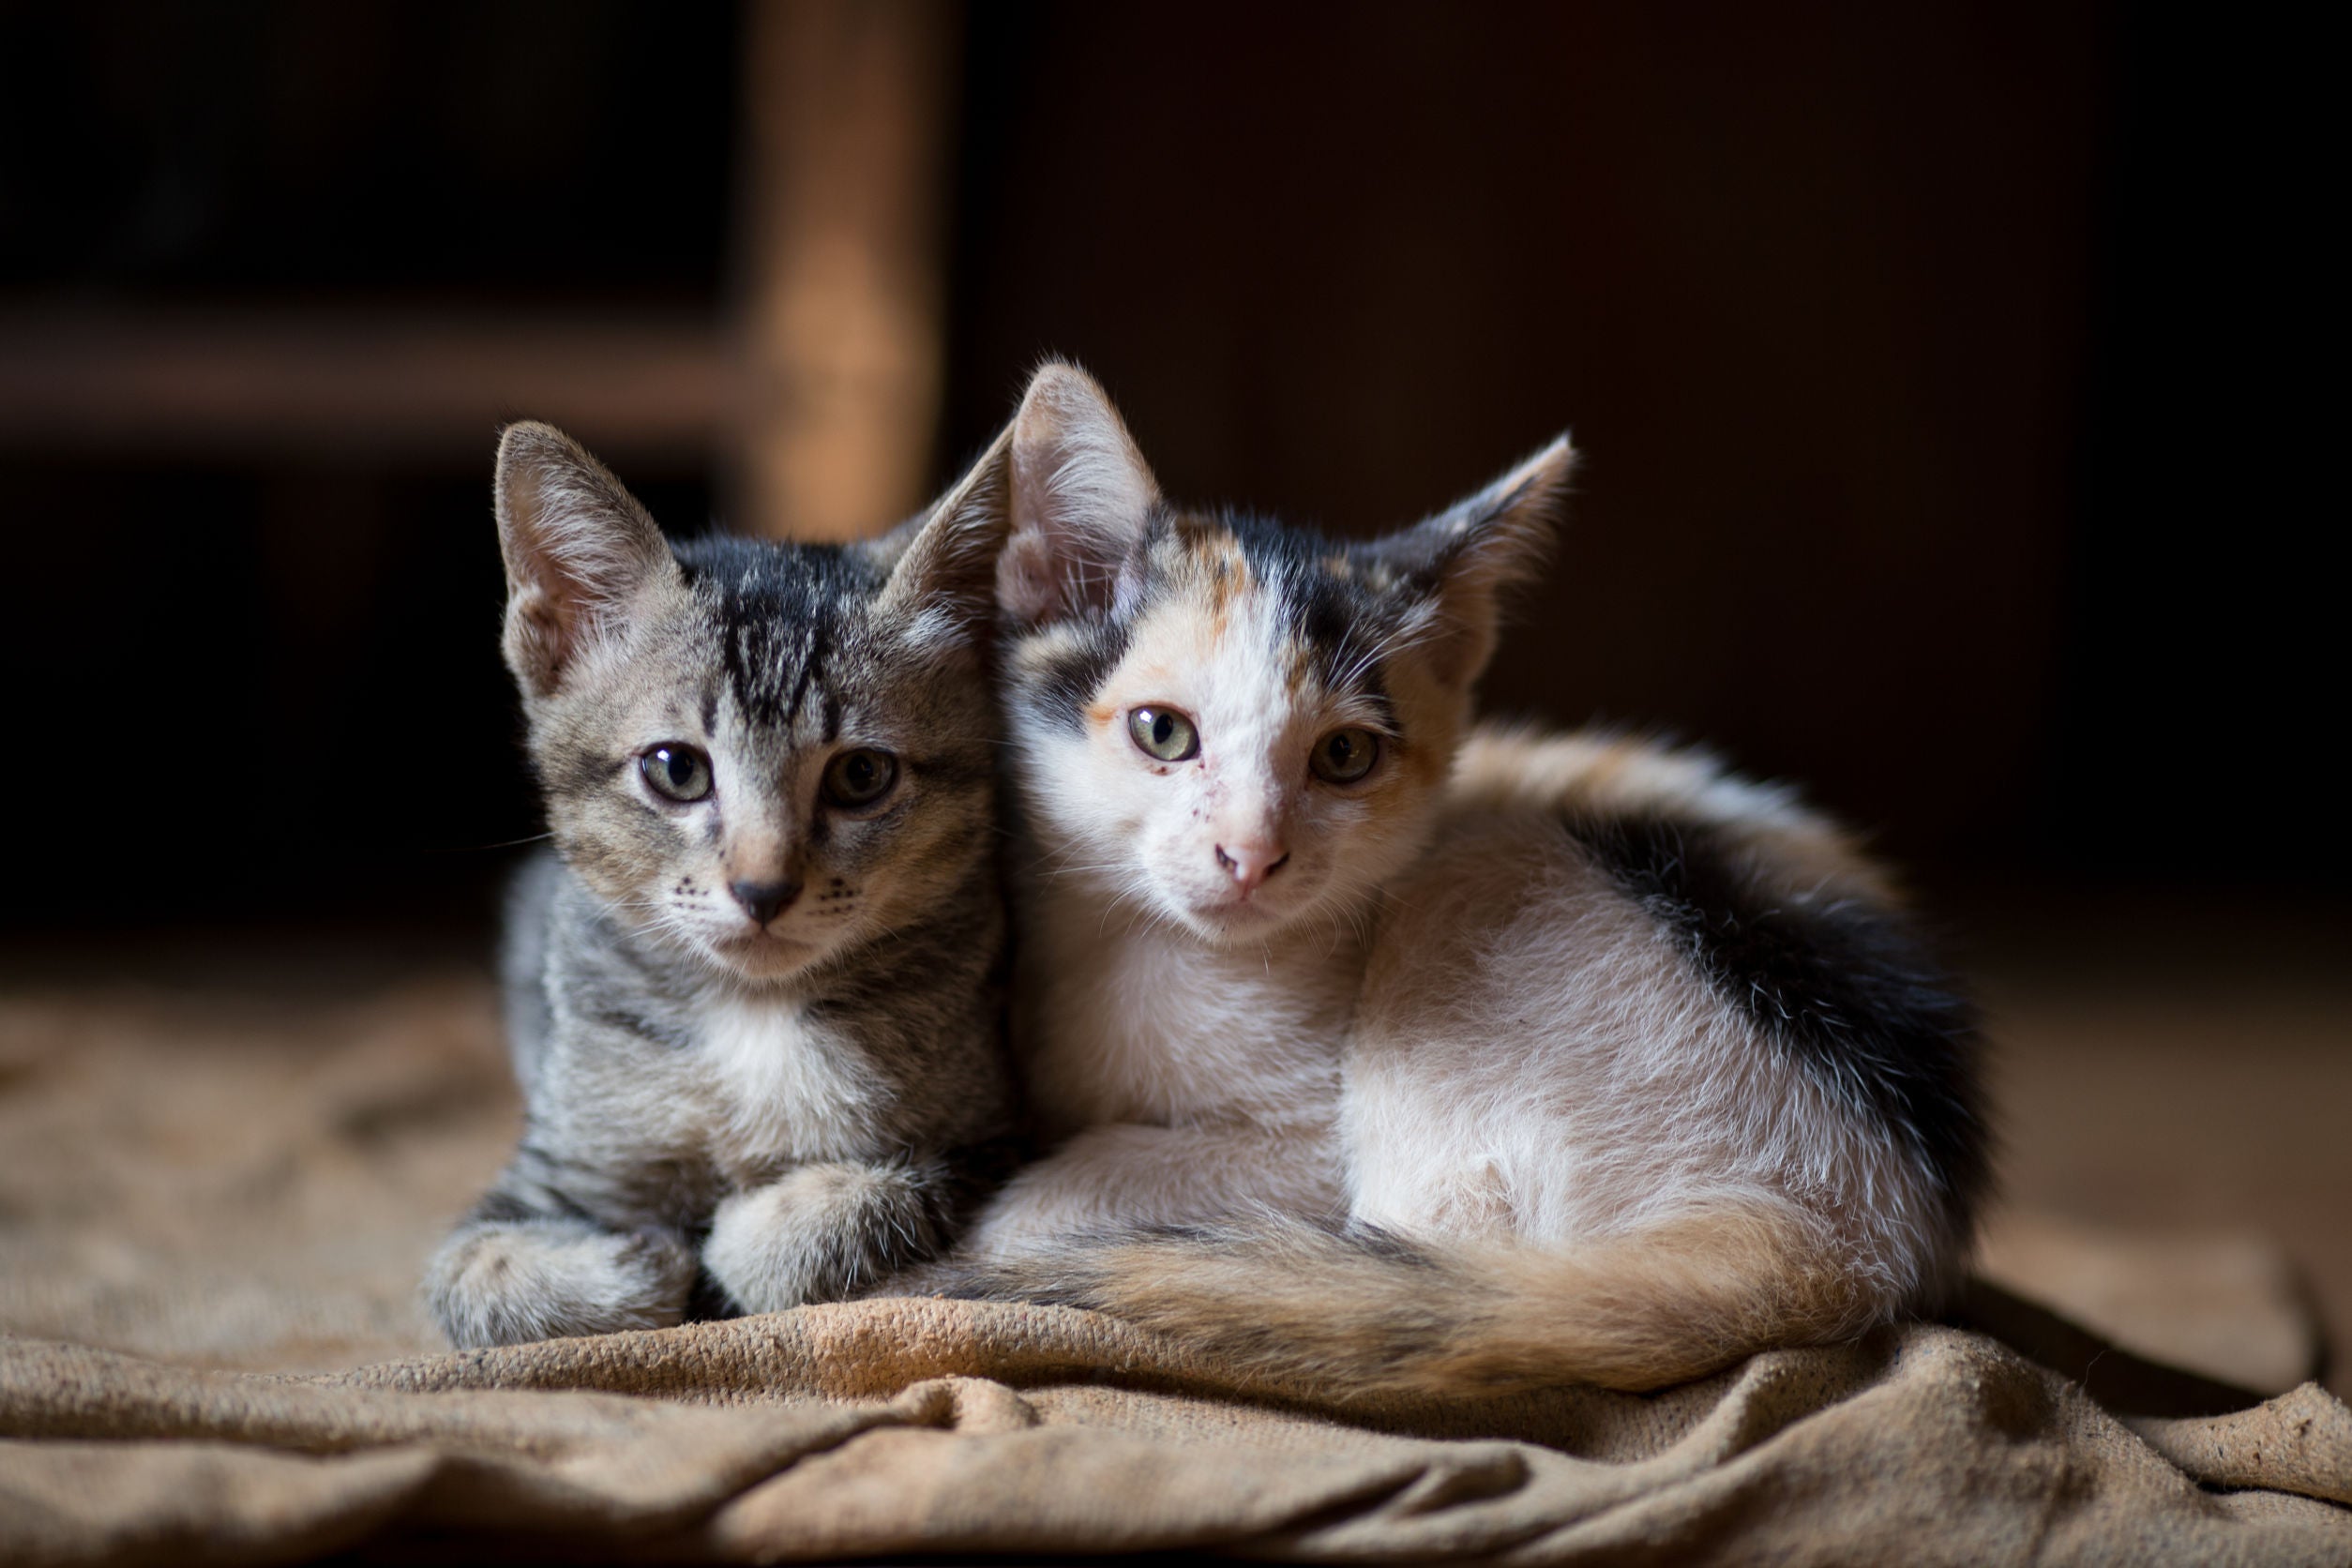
x=510 y=1284
x=819 y=1234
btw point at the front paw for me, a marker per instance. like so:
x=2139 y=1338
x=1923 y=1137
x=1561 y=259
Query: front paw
x=821 y=1233
x=509 y=1283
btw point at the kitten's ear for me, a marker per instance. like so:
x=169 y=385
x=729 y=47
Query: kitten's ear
x=1477 y=548
x=943 y=573
x=578 y=550
x=1080 y=498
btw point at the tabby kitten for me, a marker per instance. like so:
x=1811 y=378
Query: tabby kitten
x=1564 y=1058
x=752 y=995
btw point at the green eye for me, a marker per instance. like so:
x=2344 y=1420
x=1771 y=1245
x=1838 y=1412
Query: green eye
x=1164 y=733
x=676 y=771
x=1345 y=755
x=860 y=777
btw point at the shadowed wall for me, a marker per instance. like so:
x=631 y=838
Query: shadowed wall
x=1930 y=367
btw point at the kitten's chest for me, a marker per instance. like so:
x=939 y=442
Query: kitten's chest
x=779 y=1087
x=1151 y=1027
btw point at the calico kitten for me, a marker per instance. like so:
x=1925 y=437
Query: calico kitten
x=752 y=995
x=1534 y=1059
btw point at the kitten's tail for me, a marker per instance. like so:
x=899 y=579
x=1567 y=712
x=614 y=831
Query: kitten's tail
x=1360 y=1314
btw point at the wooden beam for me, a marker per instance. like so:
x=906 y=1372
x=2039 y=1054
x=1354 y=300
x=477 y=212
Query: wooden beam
x=406 y=385
x=847 y=113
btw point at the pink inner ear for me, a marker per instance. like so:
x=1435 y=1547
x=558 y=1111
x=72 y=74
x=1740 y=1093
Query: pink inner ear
x=1026 y=582
x=535 y=639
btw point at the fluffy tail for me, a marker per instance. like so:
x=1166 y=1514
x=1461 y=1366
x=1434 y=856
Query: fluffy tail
x=1364 y=1314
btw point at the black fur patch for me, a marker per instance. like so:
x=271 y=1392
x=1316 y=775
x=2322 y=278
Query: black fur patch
x=1058 y=688
x=1337 y=616
x=1847 y=987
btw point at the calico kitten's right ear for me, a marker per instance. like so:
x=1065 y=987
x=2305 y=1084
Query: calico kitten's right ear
x=1080 y=500
x=1473 y=550
x=578 y=548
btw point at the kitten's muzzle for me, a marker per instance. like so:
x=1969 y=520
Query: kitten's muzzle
x=763 y=900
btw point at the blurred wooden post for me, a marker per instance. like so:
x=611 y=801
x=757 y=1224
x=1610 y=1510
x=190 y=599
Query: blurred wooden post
x=848 y=110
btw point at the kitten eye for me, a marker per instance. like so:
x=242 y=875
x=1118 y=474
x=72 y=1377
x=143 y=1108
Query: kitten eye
x=1164 y=733
x=860 y=777
x=676 y=771
x=1345 y=755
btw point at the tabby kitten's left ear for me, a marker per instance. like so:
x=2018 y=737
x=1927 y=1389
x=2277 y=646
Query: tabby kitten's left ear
x=945 y=570
x=578 y=551
x=1474 y=549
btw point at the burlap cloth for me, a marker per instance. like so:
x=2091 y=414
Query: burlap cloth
x=210 y=1210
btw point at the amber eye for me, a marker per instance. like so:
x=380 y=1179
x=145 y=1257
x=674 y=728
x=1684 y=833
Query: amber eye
x=859 y=779
x=1345 y=755
x=676 y=771
x=1164 y=733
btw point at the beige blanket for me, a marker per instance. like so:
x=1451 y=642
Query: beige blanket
x=211 y=1210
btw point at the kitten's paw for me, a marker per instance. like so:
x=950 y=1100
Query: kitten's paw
x=509 y=1284
x=821 y=1233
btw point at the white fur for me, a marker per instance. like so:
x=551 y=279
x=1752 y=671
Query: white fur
x=783 y=1089
x=1119 y=825
x=780 y=1245
x=1193 y=1033
x=1533 y=1058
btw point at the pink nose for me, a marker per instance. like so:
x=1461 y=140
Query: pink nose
x=1251 y=863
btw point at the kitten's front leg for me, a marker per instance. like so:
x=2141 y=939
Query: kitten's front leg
x=1124 y=1175
x=508 y=1275
x=825 y=1232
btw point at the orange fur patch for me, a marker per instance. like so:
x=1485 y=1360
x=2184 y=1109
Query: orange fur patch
x=1293 y=1306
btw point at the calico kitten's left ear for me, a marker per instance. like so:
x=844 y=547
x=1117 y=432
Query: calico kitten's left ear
x=1477 y=548
x=945 y=574
x=1082 y=500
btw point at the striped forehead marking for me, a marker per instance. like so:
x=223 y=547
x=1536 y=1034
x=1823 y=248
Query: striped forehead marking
x=779 y=619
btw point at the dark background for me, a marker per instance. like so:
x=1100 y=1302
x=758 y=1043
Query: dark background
x=1945 y=375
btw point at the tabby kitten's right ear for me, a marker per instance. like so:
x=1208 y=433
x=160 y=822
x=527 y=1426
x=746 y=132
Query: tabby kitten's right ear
x=578 y=548
x=942 y=567
x=1080 y=499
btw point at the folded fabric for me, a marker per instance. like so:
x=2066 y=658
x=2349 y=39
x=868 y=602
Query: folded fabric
x=933 y=1427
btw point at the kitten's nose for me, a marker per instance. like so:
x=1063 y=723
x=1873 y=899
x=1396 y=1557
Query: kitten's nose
x=1251 y=862
x=763 y=900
